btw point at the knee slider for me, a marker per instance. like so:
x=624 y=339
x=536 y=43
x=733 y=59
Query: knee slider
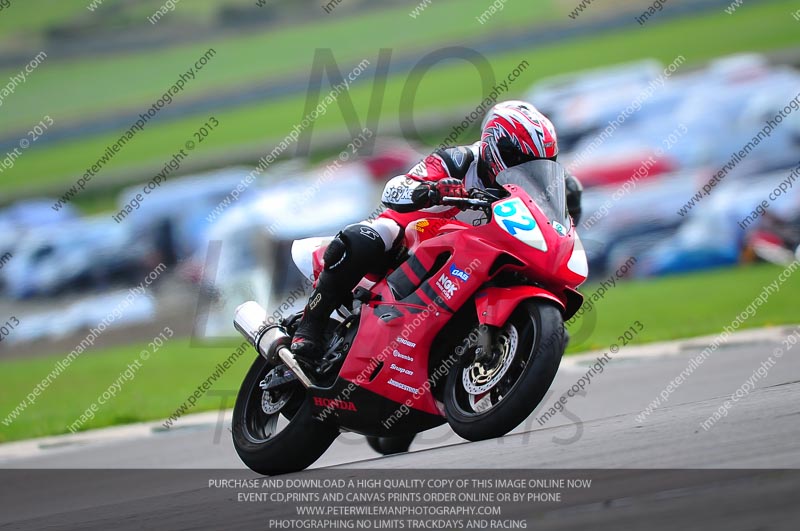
x=335 y=253
x=354 y=248
x=363 y=242
x=351 y=255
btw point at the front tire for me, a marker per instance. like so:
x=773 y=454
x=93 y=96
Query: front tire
x=484 y=402
x=259 y=443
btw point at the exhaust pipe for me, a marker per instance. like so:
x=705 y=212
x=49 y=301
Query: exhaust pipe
x=271 y=341
x=250 y=319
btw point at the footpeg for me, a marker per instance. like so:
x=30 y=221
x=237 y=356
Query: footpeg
x=278 y=377
x=288 y=358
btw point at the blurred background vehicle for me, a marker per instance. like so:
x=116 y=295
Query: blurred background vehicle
x=583 y=103
x=775 y=240
x=87 y=253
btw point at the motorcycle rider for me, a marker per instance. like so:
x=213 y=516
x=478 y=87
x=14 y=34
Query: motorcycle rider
x=512 y=133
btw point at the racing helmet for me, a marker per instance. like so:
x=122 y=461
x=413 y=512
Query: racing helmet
x=512 y=133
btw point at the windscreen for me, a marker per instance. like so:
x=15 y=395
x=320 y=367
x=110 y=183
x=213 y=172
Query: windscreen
x=543 y=180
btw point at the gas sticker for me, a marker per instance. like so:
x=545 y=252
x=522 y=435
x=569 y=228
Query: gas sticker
x=456 y=272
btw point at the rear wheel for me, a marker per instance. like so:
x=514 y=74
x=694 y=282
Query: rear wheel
x=488 y=398
x=273 y=431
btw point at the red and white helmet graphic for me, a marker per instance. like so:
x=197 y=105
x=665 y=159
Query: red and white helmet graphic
x=515 y=132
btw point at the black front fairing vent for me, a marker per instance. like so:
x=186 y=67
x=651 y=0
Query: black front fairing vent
x=504 y=262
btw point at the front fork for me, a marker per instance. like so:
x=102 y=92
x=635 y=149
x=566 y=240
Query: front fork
x=482 y=347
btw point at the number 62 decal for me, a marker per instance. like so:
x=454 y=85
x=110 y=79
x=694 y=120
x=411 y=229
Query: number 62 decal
x=515 y=218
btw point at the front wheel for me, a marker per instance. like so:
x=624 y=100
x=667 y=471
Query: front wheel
x=274 y=432
x=489 y=398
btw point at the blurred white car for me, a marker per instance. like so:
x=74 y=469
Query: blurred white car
x=255 y=235
x=80 y=253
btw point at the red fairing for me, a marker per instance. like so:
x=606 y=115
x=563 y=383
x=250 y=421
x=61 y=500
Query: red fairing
x=495 y=305
x=318 y=262
x=450 y=264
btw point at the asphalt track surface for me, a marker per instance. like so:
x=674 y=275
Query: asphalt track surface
x=664 y=472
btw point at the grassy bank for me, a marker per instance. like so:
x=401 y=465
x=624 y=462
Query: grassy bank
x=757 y=27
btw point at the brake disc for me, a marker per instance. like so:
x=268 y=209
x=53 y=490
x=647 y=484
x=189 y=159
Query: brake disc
x=478 y=379
x=270 y=405
x=272 y=400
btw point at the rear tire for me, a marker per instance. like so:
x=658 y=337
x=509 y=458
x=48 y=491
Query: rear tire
x=536 y=332
x=301 y=442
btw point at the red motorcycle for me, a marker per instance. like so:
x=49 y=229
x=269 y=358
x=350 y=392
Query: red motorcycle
x=467 y=329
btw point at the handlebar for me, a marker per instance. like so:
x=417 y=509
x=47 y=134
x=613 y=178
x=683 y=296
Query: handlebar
x=465 y=203
x=478 y=200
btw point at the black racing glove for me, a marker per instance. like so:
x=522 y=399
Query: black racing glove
x=427 y=194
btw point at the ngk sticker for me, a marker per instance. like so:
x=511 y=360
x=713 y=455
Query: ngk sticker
x=447 y=286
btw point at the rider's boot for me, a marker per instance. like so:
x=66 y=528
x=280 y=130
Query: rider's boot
x=307 y=344
x=347 y=259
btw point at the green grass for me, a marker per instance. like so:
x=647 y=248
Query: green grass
x=684 y=306
x=26 y=22
x=668 y=308
x=160 y=386
x=97 y=85
x=24 y=17
x=756 y=28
